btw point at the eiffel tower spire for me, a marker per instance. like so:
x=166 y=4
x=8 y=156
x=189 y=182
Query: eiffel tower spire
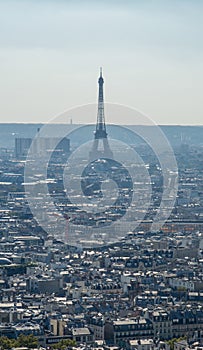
x=100 y=127
x=100 y=132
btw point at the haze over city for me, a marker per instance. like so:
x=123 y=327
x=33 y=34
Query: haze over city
x=101 y=175
x=151 y=53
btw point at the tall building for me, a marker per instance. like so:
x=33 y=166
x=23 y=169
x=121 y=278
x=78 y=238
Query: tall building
x=100 y=148
x=41 y=146
x=22 y=145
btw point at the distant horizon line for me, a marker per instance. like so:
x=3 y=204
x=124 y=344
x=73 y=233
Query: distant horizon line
x=43 y=123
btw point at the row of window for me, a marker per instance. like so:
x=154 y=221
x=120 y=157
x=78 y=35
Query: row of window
x=135 y=326
x=125 y=334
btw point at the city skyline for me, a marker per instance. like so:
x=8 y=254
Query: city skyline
x=151 y=54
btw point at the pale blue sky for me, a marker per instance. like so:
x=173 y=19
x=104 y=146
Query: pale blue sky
x=151 y=53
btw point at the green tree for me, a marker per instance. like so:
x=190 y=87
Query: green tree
x=6 y=343
x=174 y=340
x=64 y=344
x=28 y=341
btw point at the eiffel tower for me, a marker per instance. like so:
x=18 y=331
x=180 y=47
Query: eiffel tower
x=100 y=135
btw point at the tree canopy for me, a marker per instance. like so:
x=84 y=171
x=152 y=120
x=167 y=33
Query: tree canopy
x=28 y=341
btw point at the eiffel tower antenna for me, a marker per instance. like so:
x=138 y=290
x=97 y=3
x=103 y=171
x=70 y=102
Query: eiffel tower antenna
x=100 y=132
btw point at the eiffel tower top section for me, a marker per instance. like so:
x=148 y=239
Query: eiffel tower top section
x=100 y=132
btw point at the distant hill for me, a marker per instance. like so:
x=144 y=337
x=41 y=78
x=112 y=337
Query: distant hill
x=192 y=135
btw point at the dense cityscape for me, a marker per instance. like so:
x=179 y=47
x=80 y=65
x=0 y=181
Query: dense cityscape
x=134 y=289
x=101 y=175
x=138 y=293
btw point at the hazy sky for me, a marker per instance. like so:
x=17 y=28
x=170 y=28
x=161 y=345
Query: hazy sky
x=151 y=53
